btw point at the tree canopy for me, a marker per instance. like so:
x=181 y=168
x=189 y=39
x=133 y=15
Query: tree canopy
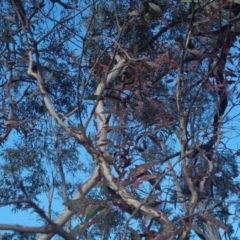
x=124 y=112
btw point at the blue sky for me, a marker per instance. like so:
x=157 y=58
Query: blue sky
x=29 y=219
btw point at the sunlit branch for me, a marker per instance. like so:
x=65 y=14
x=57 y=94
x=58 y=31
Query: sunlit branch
x=67 y=214
x=25 y=229
x=182 y=133
x=78 y=135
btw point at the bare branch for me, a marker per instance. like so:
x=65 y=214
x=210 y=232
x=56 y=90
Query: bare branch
x=67 y=214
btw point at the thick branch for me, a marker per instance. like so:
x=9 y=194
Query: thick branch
x=66 y=215
x=167 y=226
x=78 y=135
x=182 y=137
x=24 y=229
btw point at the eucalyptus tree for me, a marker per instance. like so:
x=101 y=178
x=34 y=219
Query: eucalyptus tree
x=123 y=111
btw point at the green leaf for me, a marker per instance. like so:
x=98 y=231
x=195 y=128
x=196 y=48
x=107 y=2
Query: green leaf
x=92 y=211
x=81 y=127
x=154 y=7
x=133 y=13
x=50 y=60
x=75 y=205
x=49 y=77
x=2 y=61
x=73 y=53
x=8 y=39
x=79 y=229
x=198 y=231
x=135 y=51
x=34 y=93
x=91 y=97
x=226 y=14
x=213 y=41
x=10 y=18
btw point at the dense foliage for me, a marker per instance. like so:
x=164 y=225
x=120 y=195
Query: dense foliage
x=126 y=112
